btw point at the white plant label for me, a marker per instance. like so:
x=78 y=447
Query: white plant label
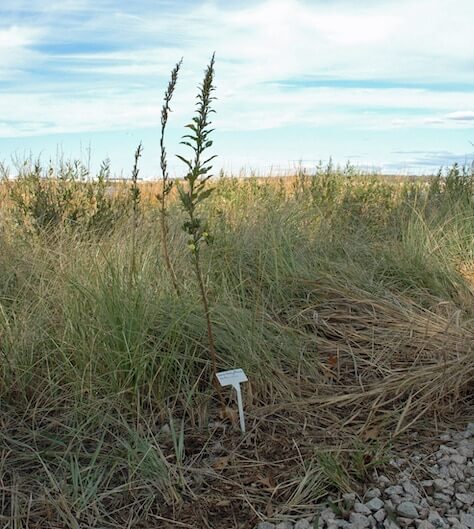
x=234 y=378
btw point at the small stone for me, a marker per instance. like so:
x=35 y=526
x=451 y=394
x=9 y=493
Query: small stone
x=436 y=520
x=440 y=484
x=441 y=498
x=361 y=508
x=467 y=499
x=383 y=480
x=265 y=525
x=444 y=472
x=372 y=493
x=458 y=459
x=374 y=504
x=396 y=499
x=467 y=519
x=409 y=488
x=165 y=429
x=424 y=524
x=394 y=489
x=349 y=499
x=407 y=509
x=284 y=525
x=467 y=452
x=448 y=449
x=342 y=524
x=390 y=524
x=302 y=524
x=327 y=514
x=404 y=522
x=380 y=515
x=359 y=521
x=456 y=472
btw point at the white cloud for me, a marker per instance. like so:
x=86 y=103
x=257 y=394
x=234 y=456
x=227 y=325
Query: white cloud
x=462 y=115
x=14 y=49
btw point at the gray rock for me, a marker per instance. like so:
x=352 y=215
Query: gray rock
x=359 y=521
x=327 y=514
x=361 y=508
x=444 y=449
x=302 y=524
x=380 y=515
x=394 y=489
x=452 y=519
x=410 y=489
x=374 y=504
x=390 y=524
x=407 y=509
x=372 y=493
x=404 y=522
x=444 y=472
x=436 y=520
x=265 y=525
x=284 y=525
x=342 y=524
x=389 y=506
x=467 y=519
x=424 y=524
x=467 y=499
x=383 y=480
x=458 y=459
x=441 y=498
x=466 y=451
x=440 y=485
x=396 y=498
x=165 y=429
x=349 y=499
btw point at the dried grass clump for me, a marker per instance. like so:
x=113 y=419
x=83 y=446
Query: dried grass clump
x=391 y=360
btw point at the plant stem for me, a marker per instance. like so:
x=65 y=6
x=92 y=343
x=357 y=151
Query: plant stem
x=210 y=335
x=135 y=191
x=164 y=171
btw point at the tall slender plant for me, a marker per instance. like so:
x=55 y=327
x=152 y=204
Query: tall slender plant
x=135 y=196
x=196 y=191
x=167 y=183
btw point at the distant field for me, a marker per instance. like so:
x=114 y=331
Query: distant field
x=347 y=298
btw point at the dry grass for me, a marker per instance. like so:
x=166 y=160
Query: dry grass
x=344 y=300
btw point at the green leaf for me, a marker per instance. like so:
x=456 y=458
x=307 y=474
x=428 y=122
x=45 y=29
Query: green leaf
x=209 y=159
x=183 y=159
x=204 y=194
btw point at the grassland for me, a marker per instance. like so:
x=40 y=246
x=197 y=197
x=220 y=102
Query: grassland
x=347 y=298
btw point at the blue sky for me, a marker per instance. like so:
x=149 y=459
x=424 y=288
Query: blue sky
x=388 y=84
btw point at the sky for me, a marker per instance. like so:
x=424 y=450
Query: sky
x=385 y=84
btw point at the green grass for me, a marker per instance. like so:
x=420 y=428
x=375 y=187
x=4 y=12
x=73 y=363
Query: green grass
x=347 y=299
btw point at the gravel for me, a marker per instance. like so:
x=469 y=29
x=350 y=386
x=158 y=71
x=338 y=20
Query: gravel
x=441 y=498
